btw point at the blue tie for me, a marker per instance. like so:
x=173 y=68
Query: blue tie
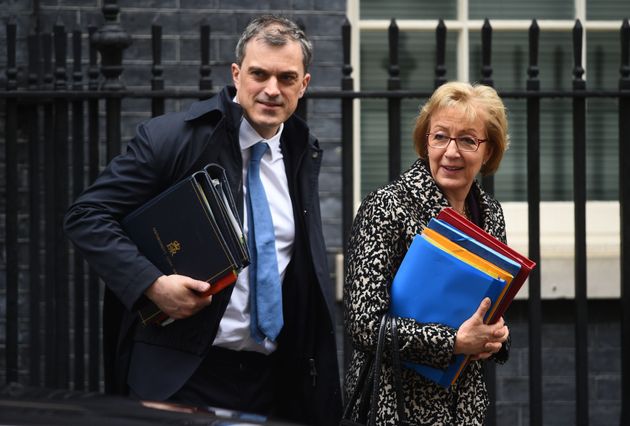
x=264 y=281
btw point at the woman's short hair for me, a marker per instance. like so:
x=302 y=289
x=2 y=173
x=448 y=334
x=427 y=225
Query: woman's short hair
x=473 y=100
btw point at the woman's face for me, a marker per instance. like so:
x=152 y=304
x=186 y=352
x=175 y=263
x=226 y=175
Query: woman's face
x=454 y=170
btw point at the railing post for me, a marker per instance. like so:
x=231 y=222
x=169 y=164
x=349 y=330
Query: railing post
x=347 y=135
x=49 y=221
x=624 y=207
x=486 y=78
x=93 y=293
x=533 y=206
x=347 y=156
x=111 y=40
x=302 y=107
x=488 y=185
x=157 y=81
x=78 y=150
x=60 y=203
x=34 y=181
x=440 y=54
x=393 y=104
x=11 y=216
x=579 y=200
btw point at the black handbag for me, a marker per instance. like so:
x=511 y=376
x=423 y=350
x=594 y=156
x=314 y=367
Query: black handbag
x=365 y=393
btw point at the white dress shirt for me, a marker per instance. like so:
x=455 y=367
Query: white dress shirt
x=234 y=332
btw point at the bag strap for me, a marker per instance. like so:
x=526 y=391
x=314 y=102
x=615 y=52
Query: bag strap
x=361 y=388
x=370 y=377
x=397 y=372
x=378 y=361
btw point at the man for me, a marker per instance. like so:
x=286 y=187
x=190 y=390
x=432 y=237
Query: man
x=214 y=353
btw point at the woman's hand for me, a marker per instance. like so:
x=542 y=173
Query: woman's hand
x=477 y=339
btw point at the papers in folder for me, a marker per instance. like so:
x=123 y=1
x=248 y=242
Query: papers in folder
x=191 y=229
x=448 y=270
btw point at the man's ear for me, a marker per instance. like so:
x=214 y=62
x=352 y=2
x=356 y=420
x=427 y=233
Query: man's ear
x=236 y=74
x=305 y=81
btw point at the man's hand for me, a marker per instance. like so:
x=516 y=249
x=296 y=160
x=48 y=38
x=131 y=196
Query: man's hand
x=179 y=296
x=477 y=339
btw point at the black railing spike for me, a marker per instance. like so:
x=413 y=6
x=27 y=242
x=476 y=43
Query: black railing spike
x=394 y=69
x=533 y=69
x=93 y=58
x=393 y=105
x=302 y=108
x=77 y=73
x=60 y=41
x=346 y=29
x=11 y=71
x=534 y=37
x=156 y=48
x=111 y=40
x=300 y=23
x=47 y=60
x=157 y=81
x=33 y=61
x=486 y=53
x=440 y=53
x=205 y=82
x=625 y=50
x=578 y=70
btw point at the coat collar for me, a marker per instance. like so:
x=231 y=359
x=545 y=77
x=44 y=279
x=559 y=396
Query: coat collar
x=221 y=103
x=419 y=182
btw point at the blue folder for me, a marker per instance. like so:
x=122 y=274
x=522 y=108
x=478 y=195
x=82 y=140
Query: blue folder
x=433 y=286
x=474 y=246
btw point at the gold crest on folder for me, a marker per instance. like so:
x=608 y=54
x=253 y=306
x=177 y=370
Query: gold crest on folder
x=173 y=247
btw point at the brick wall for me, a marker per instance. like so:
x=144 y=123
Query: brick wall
x=558 y=365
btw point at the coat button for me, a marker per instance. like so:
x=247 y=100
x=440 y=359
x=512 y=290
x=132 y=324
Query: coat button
x=314 y=155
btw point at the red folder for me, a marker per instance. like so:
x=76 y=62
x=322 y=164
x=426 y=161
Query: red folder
x=460 y=222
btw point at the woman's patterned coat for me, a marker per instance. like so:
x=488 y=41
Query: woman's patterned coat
x=383 y=229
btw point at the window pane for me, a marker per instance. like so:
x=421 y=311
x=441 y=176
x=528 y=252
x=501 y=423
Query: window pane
x=510 y=56
x=602 y=149
x=603 y=59
x=608 y=9
x=510 y=62
x=519 y=9
x=417 y=65
x=408 y=9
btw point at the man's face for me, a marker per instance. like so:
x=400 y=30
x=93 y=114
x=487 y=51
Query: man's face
x=269 y=83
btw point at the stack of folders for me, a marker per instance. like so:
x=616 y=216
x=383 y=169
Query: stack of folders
x=447 y=271
x=192 y=229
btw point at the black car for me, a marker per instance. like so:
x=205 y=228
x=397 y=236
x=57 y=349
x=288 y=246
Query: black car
x=20 y=406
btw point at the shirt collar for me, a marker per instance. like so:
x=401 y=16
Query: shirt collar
x=249 y=137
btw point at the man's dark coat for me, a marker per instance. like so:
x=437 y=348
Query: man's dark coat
x=155 y=361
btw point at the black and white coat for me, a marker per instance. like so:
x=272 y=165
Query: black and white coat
x=383 y=229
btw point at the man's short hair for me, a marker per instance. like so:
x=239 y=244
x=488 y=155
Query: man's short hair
x=274 y=30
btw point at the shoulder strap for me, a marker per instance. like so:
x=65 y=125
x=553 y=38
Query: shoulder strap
x=397 y=373
x=370 y=377
x=378 y=362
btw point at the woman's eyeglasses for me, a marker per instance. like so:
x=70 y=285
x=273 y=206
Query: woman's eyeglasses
x=464 y=143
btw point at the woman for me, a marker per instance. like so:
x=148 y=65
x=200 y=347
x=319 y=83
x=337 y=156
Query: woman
x=460 y=132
